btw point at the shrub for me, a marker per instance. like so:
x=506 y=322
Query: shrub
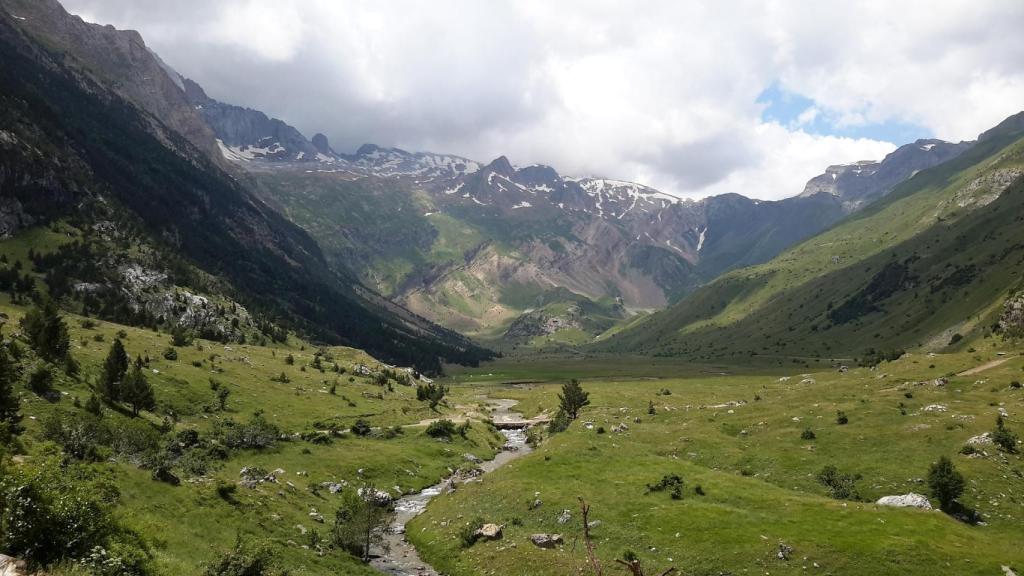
x=52 y=513
x=1015 y=384
x=600 y=430
x=258 y=433
x=467 y=532
x=170 y=354
x=945 y=482
x=651 y=410
x=40 y=379
x=560 y=423
x=81 y=436
x=671 y=482
x=441 y=429
x=841 y=486
x=244 y=559
x=135 y=441
x=807 y=434
x=362 y=428
x=841 y=417
x=968 y=449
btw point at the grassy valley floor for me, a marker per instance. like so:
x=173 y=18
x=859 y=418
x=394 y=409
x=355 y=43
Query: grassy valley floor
x=738 y=437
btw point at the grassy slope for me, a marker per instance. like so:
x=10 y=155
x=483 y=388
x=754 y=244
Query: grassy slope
x=759 y=483
x=770 y=308
x=189 y=525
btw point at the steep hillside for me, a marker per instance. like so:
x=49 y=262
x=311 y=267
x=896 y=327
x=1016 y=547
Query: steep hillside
x=75 y=148
x=938 y=257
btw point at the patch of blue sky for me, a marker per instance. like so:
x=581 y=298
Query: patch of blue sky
x=797 y=111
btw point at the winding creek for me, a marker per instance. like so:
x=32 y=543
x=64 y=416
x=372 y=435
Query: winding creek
x=400 y=558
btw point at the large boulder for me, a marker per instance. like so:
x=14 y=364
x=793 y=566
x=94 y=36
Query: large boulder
x=489 y=532
x=910 y=500
x=546 y=540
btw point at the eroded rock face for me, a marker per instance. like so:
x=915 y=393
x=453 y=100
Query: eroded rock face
x=910 y=500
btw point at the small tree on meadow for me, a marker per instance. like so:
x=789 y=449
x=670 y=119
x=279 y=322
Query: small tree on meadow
x=137 y=391
x=114 y=369
x=46 y=332
x=1003 y=437
x=572 y=399
x=945 y=482
x=360 y=519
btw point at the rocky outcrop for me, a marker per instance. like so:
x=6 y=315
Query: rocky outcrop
x=1011 y=320
x=910 y=500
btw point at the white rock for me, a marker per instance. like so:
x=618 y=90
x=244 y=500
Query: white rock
x=910 y=500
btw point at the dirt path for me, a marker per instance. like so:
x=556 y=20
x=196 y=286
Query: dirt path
x=986 y=366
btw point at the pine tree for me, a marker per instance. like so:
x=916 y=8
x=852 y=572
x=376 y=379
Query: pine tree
x=114 y=369
x=93 y=406
x=946 y=483
x=573 y=399
x=9 y=402
x=137 y=391
x=47 y=332
x=1003 y=437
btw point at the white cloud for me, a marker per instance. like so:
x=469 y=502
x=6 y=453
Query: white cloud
x=660 y=92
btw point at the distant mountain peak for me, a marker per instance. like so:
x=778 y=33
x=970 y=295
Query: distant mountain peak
x=502 y=166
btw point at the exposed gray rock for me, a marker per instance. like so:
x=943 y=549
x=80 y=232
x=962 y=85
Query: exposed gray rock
x=909 y=500
x=564 y=517
x=546 y=540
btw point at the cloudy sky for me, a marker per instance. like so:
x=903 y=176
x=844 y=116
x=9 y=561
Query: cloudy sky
x=694 y=98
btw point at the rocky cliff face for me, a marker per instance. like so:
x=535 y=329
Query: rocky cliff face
x=244 y=134
x=118 y=59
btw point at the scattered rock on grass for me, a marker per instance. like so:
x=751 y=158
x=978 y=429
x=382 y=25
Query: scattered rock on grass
x=909 y=500
x=546 y=540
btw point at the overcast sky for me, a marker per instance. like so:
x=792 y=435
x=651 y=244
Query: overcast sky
x=694 y=98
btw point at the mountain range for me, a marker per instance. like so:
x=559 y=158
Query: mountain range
x=507 y=254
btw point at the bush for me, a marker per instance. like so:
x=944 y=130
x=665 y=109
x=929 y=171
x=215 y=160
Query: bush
x=441 y=429
x=560 y=423
x=362 y=428
x=807 y=434
x=841 y=486
x=258 y=433
x=968 y=449
x=244 y=559
x=841 y=417
x=170 y=354
x=467 y=532
x=81 y=436
x=52 y=513
x=135 y=441
x=40 y=379
x=671 y=482
x=945 y=482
